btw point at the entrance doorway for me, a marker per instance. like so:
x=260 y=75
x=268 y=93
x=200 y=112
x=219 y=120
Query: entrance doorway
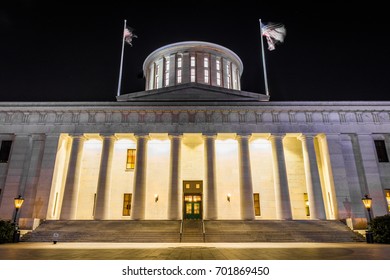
x=192 y=200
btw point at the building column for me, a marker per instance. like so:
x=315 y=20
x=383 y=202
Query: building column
x=372 y=175
x=102 y=210
x=352 y=206
x=69 y=203
x=210 y=170
x=46 y=173
x=313 y=183
x=29 y=183
x=246 y=187
x=282 y=196
x=174 y=176
x=138 y=203
x=21 y=148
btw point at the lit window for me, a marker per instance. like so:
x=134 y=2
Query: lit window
x=307 y=208
x=5 y=150
x=381 y=152
x=206 y=76
x=179 y=62
x=157 y=70
x=130 y=161
x=167 y=72
x=229 y=76
x=387 y=195
x=256 y=203
x=192 y=75
x=126 y=204
x=218 y=65
x=206 y=62
x=218 y=78
x=192 y=61
x=179 y=76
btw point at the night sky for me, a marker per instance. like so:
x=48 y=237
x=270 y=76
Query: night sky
x=60 y=51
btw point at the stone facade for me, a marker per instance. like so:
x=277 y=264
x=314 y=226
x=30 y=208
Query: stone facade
x=202 y=152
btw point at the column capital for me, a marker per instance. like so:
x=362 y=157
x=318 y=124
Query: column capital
x=209 y=136
x=79 y=136
x=108 y=136
x=276 y=137
x=175 y=136
x=304 y=137
x=240 y=136
x=142 y=136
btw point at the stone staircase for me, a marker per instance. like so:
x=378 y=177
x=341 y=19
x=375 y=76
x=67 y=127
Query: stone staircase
x=280 y=231
x=106 y=231
x=164 y=231
x=192 y=231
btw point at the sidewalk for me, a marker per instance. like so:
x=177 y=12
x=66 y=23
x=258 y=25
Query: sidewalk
x=194 y=251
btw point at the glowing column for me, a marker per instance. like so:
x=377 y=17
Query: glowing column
x=313 y=183
x=173 y=205
x=282 y=196
x=211 y=210
x=246 y=188
x=102 y=211
x=69 y=204
x=138 y=205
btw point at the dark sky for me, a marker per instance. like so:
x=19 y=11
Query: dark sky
x=64 y=51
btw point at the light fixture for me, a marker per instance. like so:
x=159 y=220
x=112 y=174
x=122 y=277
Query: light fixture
x=367 y=201
x=18 y=202
x=155 y=197
x=228 y=197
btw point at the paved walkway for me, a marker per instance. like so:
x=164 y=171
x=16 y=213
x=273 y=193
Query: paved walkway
x=194 y=251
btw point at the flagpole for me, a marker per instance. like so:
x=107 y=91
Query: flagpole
x=263 y=55
x=121 y=65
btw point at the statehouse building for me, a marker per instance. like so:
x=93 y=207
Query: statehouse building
x=194 y=146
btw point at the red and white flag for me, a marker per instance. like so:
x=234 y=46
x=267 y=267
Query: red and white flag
x=128 y=35
x=274 y=33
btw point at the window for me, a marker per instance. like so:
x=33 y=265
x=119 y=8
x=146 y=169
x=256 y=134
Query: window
x=179 y=76
x=387 y=195
x=307 y=209
x=157 y=70
x=218 y=68
x=381 y=152
x=130 y=160
x=5 y=150
x=166 y=72
x=218 y=78
x=206 y=76
x=179 y=62
x=256 y=200
x=192 y=71
x=229 y=76
x=126 y=204
x=206 y=62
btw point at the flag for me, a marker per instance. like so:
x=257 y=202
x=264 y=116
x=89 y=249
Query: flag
x=128 y=35
x=274 y=32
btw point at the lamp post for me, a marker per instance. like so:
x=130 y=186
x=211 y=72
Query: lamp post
x=18 y=201
x=367 y=201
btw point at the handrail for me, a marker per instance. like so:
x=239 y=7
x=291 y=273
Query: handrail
x=181 y=230
x=203 y=231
